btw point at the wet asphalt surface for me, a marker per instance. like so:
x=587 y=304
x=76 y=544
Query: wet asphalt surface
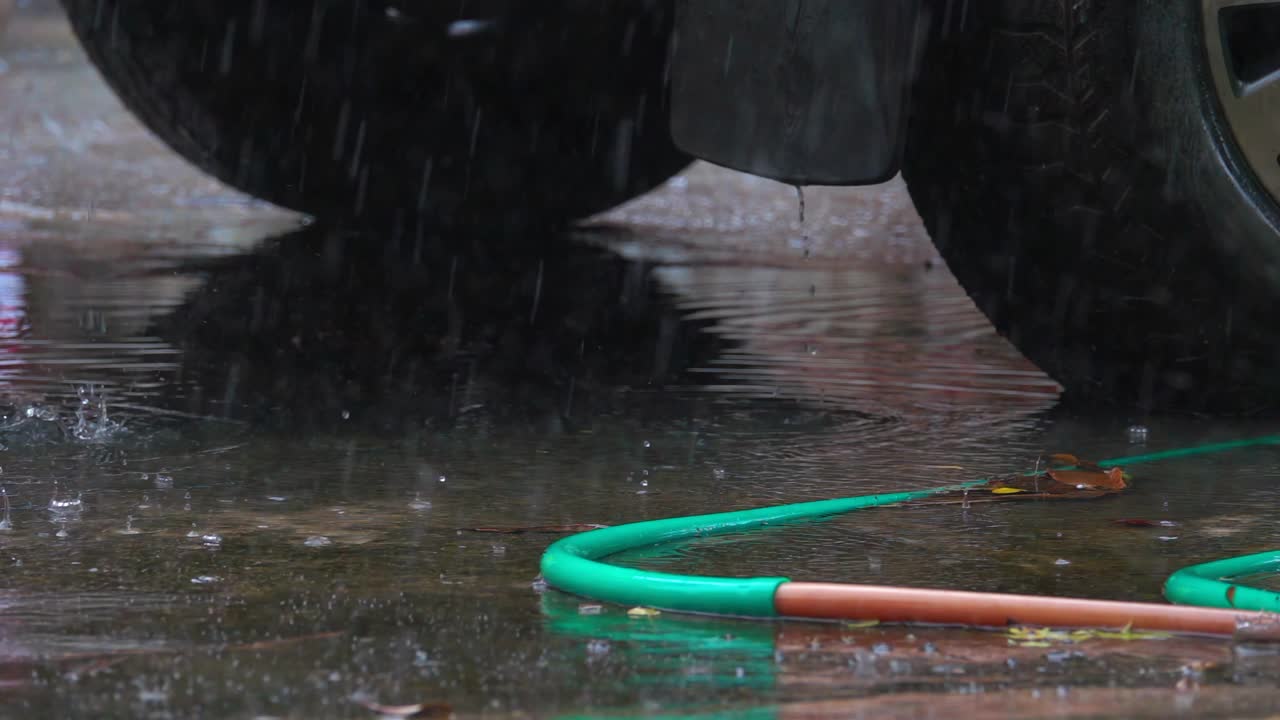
x=243 y=455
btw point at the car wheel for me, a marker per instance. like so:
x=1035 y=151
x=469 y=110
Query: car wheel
x=509 y=115
x=1102 y=178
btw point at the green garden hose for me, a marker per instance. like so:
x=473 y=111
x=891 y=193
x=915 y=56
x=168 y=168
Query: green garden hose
x=573 y=564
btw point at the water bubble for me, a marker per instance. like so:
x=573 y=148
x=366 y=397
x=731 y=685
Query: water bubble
x=648 y=444
x=68 y=509
x=205 y=579
x=317 y=541
x=1138 y=434
x=162 y=482
x=277 y=498
x=193 y=533
x=718 y=473
x=346 y=414
x=129 y=529
x=1061 y=561
x=146 y=502
x=442 y=478
x=539 y=584
x=211 y=540
x=62 y=532
x=644 y=483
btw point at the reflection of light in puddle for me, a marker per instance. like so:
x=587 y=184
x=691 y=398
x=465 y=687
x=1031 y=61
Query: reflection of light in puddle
x=13 y=315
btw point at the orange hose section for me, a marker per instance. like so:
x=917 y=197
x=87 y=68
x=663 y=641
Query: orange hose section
x=953 y=607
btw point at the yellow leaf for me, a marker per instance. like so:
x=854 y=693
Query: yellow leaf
x=862 y=623
x=1006 y=491
x=639 y=612
x=1132 y=635
x=1034 y=643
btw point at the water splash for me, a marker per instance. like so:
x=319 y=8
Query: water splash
x=92 y=421
x=42 y=413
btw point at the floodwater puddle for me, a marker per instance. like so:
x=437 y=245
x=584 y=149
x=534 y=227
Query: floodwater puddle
x=243 y=459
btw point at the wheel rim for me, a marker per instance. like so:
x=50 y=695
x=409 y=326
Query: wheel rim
x=1243 y=42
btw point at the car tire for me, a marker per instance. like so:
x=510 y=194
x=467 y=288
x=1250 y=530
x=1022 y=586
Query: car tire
x=1071 y=163
x=510 y=116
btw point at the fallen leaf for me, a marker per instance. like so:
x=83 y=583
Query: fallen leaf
x=1139 y=522
x=640 y=612
x=861 y=623
x=1082 y=481
x=1128 y=633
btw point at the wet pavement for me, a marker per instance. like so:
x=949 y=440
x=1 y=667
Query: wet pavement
x=243 y=456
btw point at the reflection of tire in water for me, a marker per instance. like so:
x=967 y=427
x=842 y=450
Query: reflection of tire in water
x=888 y=340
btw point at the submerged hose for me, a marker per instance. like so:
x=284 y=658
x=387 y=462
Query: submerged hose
x=573 y=564
x=1210 y=584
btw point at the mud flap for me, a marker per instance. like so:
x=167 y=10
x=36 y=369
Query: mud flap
x=809 y=92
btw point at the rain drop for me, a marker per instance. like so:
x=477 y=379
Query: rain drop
x=6 y=523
